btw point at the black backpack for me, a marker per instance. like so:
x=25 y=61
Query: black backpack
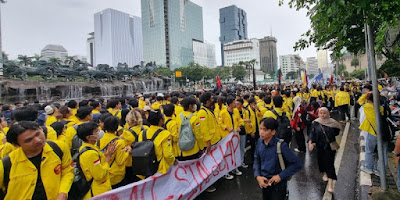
x=166 y=123
x=80 y=186
x=135 y=134
x=144 y=156
x=284 y=130
x=7 y=166
x=76 y=142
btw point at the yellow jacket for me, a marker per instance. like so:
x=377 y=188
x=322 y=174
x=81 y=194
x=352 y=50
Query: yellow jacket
x=362 y=99
x=156 y=105
x=50 y=119
x=226 y=121
x=130 y=138
x=94 y=167
x=142 y=104
x=218 y=110
x=317 y=93
x=209 y=126
x=73 y=118
x=163 y=147
x=178 y=110
x=172 y=127
x=115 y=112
x=342 y=98
x=369 y=119
x=70 y=133
x=249 y=114
x=117 y=167
x=57 y=175
x=269 y=113
x=199 y=144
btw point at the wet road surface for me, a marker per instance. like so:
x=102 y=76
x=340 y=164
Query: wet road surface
x=306 y=184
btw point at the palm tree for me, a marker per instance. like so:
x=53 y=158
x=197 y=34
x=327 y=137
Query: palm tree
x=37 y=57
x=24 y=60
x=55 y=62
x=70 y=60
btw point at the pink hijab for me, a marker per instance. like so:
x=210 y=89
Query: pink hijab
x=328 y=121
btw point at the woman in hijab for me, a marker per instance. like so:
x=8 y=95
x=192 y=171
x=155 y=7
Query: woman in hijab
x=298 y=124
x=323 y=132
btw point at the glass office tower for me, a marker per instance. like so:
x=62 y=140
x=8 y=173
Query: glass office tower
x=169 y=28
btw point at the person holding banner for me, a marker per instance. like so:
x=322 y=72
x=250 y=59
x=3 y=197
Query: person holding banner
x=230 y=121
x=272 y=179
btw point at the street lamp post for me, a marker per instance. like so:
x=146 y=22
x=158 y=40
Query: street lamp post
x=1 y=45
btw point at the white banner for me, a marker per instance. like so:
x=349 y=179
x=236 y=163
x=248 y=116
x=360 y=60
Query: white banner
x=185 y=180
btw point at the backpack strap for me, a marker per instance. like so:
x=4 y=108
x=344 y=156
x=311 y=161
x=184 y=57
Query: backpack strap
x=156 y=134
x=7 y=167
x=44 y=128
x=279 y=152
x=275 y=113
x=116 y=113
x=113 y=140
x=166 y=123
x=134 y=134
x=56 y=149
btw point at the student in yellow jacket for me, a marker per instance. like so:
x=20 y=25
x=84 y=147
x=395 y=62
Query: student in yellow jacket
x=162 y=143
x=190 y=106
x=220 y=105
x=368 y=127
x=172 y=126
x=208 y=121
x=118 y=165
x=245 y=129
x=84 y=114
x=230 y=119
x=278 y=102
x=73 y=105
x=94 y=163
x=51 y=112
x=367 y=89
x=342 y=101
x=53 y=159
x=157 y=105
x=113 y=107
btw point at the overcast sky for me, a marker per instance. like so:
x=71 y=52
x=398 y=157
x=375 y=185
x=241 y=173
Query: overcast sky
x=29 y=25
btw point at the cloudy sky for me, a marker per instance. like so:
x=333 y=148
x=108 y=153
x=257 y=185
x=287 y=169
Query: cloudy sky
x=29 y=25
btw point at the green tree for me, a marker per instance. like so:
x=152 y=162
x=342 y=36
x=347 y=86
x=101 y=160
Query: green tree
x=355 y=62
x=391 y=67
x=222 y=72
x=238 y=72
x=341 y=69
x=164 y=71
x=24 y=60
x=359 y=73
x=37 y=57
x=340 y=23
x=291 y=75
x=70 y=61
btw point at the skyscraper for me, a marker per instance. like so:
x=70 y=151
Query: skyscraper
x=117 y=38
x=312 y=66
x=242 y=50
x=322 y=56
x=204 y=54
x=169 y=29
x=289 y=63
x=268 y=55
x=233 y=26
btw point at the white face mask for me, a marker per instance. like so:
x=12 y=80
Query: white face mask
x=195 y=107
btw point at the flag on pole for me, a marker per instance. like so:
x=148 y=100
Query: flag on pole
x=304 y=78
x=218 y=82
x=331 y=80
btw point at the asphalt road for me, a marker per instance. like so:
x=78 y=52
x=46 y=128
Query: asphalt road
x=306 y=184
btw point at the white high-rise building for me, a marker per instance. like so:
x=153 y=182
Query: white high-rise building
x=53 y=50
x=117 y=38
x=204 y=54
x=90 y=49
x=242 y=50
x=322 y=56
x=289 y=63
x=312 y=66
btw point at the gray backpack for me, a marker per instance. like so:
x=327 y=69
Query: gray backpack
x=186 y=137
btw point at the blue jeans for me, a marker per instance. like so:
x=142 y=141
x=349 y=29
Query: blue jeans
x=385 y=156
x=370 y=144
x=242 y=145
x=398 y=176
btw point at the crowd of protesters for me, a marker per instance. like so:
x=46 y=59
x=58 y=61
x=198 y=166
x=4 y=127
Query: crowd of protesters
x=40 y=142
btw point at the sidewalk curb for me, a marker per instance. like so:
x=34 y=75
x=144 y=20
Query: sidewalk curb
x=365 y=182
x=338 y=159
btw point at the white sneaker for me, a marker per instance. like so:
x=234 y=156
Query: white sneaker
x=228 y=177
x=244 y=165
x=237 y=172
